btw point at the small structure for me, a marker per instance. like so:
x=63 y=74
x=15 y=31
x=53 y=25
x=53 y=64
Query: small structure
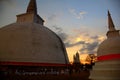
x=76 y=66
x=27 y=47
x=76 y=58
x=108 y=65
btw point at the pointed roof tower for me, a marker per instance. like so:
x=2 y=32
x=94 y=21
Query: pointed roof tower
x=110 y=22
x=112 y=31
x=31 y=14
x=108 y=56
x=32 y=7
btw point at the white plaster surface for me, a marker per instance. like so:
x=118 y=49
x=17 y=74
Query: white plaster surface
x=31 y=42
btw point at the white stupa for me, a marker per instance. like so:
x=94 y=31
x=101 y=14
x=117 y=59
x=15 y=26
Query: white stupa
x=108 y=65
x=29 y=42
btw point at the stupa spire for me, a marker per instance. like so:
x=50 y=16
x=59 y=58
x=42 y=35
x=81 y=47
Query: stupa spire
x=110 y=22
x=112 y=32
x=31 y=14
x=32 y=7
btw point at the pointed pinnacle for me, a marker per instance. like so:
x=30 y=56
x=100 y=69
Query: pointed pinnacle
x=32 y=7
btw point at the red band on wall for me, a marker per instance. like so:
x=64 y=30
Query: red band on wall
x=108 y=57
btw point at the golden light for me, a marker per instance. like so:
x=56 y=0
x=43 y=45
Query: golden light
x=71 y=51
x=78 y=39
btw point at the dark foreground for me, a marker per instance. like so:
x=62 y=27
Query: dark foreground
x=83 y=75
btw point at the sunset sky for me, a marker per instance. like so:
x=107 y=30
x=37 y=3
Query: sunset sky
x=81 y=24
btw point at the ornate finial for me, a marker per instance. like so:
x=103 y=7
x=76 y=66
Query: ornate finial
x=112 y=31
x=110 y=23
x=32 y=7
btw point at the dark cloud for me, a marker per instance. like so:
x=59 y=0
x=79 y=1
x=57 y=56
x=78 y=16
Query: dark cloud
x=89 y=47
x=52 y=17
x=68 y=44
x=94 y=37
x=64 y=36
x=59 y=31
x=92 y=46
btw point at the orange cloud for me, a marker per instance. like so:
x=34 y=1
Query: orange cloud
x=83 y=44
x=80 y=41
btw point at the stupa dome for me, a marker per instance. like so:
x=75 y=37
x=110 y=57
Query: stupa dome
x=112 y=44
x=109 y=46
x=108 y=65
x=28 y=40
x=31 y=42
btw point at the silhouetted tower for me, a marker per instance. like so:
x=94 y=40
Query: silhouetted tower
x=76 y=58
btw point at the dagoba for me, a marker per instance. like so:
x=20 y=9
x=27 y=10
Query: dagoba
x=28 y=46
x=108 y=65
